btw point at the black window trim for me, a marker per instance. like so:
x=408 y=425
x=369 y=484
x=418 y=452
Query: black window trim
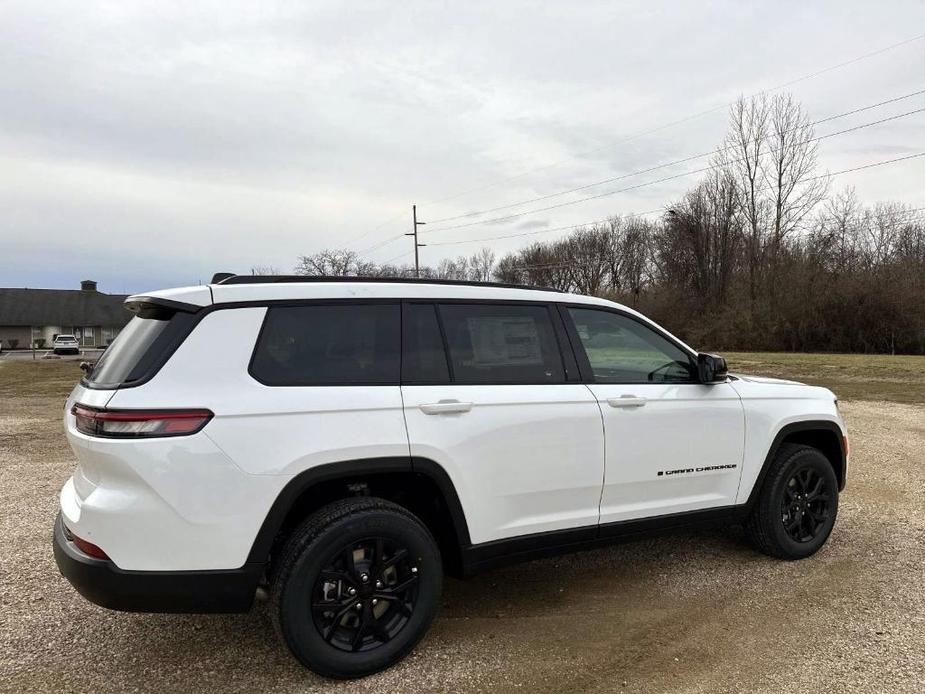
x=584 y=364
x=446 y=353
x=570 y=347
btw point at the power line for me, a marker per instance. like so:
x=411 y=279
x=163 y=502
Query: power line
x=909 y=217
x=680 y=121
x=574 y=263
x=392 y=260
x=640 y=214
x=656 y=181
x=545 y=231
x=866 y=166
x=374 y=229
x=783 y=85
x=665 y=165
x=380 y=244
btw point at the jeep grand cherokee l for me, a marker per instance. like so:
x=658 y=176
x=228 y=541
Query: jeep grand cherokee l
x=346 y=443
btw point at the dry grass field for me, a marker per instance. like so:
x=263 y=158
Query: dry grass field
x=688 y=612
x=899 y=378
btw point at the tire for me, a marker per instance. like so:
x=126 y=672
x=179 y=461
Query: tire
x=310 y=600
x=797 y=506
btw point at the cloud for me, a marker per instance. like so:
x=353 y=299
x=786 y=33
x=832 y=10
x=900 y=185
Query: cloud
x=533 y=224
x=157 y=143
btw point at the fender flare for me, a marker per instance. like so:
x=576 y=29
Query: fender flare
x=302 y=482
x=792 y=428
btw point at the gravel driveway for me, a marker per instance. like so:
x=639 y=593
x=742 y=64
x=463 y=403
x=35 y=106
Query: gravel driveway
x=683 y=613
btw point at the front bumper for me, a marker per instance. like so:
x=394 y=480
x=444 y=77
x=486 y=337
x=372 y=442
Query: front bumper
x=102 y=582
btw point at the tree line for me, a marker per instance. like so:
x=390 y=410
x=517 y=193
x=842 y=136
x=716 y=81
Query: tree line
x=760 y=254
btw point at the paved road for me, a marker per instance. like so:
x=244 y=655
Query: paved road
x=27 y=355
x=683 y=613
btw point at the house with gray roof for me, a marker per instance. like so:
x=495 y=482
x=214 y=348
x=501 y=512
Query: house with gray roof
x=30 y=316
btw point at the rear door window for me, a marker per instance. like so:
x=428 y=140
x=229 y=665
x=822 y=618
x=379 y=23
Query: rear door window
x=501 y=343
x=329 y=344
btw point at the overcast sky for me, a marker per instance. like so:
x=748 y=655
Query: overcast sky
x=151 y=144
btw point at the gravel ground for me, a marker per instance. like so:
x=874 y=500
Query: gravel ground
x=682 y=613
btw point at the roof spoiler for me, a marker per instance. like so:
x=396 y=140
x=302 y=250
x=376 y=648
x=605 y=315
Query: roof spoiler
x=157 y=308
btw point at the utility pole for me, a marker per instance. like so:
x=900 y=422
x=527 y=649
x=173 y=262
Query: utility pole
x=414 y=218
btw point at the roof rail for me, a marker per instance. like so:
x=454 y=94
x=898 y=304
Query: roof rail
x=229 y=278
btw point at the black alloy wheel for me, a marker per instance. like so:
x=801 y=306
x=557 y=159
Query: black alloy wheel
x=356 y=586
x=805 y=505
x=365 y=595
x=796 y=505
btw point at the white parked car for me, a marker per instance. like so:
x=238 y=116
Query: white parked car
x=346 y=443
x=65 y=344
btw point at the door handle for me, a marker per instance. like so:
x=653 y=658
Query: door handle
x=445 y=407
x=626 y=401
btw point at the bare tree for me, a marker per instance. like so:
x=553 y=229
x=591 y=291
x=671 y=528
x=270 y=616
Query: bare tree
x=588 y=255
x=331 y=262
x=793 y=190
x=481 y=265
x=741 y=156
x=265 y=270
x=453 y=269
x=769 y=151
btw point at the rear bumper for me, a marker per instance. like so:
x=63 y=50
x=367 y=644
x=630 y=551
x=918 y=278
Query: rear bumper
x=103 y=583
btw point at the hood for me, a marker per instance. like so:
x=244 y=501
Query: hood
x=766 y=379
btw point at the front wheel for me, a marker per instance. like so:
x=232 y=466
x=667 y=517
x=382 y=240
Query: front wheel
x=796 y=509
x=356 y=587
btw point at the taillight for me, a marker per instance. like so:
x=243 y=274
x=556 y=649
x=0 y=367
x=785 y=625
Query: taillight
x=134 y=424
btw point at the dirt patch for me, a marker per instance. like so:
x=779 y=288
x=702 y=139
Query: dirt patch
x=690 y=612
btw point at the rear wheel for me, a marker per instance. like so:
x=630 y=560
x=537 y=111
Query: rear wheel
x=796 y=509
x=356 y=587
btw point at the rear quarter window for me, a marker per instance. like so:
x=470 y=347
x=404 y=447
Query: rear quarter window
x=140 y=349
x=323 y=345
x=126 y=351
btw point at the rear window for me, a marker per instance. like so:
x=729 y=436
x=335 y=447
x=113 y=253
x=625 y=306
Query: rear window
x=502 y=344
x=123 y=360
x=336 y=344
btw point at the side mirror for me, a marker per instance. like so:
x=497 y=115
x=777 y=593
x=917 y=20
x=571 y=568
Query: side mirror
x=711 y=368
x=86 y=367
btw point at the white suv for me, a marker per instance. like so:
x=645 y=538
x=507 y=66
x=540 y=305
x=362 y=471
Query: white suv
x=65 y=344
x=346 y=443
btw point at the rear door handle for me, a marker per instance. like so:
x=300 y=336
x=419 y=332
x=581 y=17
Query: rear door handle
x=626 y=401
x=445 y=407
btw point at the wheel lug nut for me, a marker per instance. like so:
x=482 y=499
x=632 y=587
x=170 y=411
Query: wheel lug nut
x=359 y=606
x=364 y=577
x=414 y=569
x=378 y=584
x=352 y=591
x=375 y=602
